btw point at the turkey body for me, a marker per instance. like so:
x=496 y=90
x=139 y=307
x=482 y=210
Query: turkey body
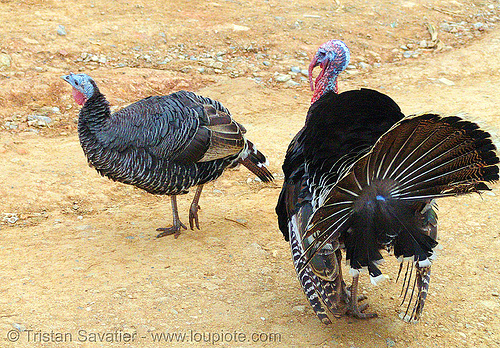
x=361 y=177
x=339 y=129
x=163 y=144
x=159 y=143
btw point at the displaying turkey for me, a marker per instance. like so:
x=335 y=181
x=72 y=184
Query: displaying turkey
x=163 y=144
x=362 y=177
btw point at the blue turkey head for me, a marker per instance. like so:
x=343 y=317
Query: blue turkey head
x=83 y=86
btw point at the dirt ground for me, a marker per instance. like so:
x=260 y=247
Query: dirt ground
x=81 y=266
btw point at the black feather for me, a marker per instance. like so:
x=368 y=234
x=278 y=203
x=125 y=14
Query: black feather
x=370 y=177
x=163 y=144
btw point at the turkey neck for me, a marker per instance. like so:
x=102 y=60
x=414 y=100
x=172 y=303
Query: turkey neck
x=94 y=114
x=92 y=121
x=93 y=118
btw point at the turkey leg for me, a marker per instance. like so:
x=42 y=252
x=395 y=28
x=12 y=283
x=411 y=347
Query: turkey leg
x=193 y=210
x=354 y=308
x=176 y=225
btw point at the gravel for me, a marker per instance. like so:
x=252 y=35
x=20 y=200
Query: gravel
x=282 y=77
x=39 y=121
x=5 y=61
x=61 y=30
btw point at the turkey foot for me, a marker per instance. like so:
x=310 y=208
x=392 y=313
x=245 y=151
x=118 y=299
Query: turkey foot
x=167 y=231
x=176 y=225
x=193 y=210
x=354 y=309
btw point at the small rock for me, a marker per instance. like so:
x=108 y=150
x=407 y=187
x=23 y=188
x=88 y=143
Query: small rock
x=447 y=82
x=496 y=294
x=300 y=309
x=304 y=72
x=266 y=63
x=492 y=305
x=84 y=227
x=423 y=44
x=389 y=342
x=236 y=27
x=30 y=41
x=255 y=249
x=479 y=26
x=11 y=218
x=10 y=125
x=39 y=121
x=408 y=54
x=19 y=327
x=210 y=286
x=282 y=77
x=5 y=61
x=242 y=221
x=289 y=83
x=61 y=30
x=364 y=65
x=446 y=27
x=217 y=65
x=295 y=69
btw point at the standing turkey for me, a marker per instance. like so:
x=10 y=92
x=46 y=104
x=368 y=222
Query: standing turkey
x=163 y=144
x=362 y=177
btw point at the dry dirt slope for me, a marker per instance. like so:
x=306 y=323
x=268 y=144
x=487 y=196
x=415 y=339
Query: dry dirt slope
x=84 y=257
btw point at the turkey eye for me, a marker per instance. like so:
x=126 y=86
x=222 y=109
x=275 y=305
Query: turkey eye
x=76 y=83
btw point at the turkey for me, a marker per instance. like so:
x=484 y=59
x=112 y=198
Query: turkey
x=362 y=177
x=163 y=144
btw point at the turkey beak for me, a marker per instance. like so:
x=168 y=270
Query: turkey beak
x=67 y=78
x=314 y=63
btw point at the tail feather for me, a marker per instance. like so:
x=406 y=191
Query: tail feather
x=440 y=156
x=418 y=159
x=327 y=297
x=379 y=200
x=256 y=162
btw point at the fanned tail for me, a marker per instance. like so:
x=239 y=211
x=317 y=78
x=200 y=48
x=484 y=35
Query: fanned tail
x=383 y=199
x=256 y=162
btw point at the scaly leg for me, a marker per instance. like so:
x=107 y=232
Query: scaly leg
x=176 y=225
x=193 y=210
x=354 y=308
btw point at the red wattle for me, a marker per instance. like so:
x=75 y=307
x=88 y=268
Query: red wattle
x=79 y=97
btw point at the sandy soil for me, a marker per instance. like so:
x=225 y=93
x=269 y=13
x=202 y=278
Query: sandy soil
x=78 y=252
